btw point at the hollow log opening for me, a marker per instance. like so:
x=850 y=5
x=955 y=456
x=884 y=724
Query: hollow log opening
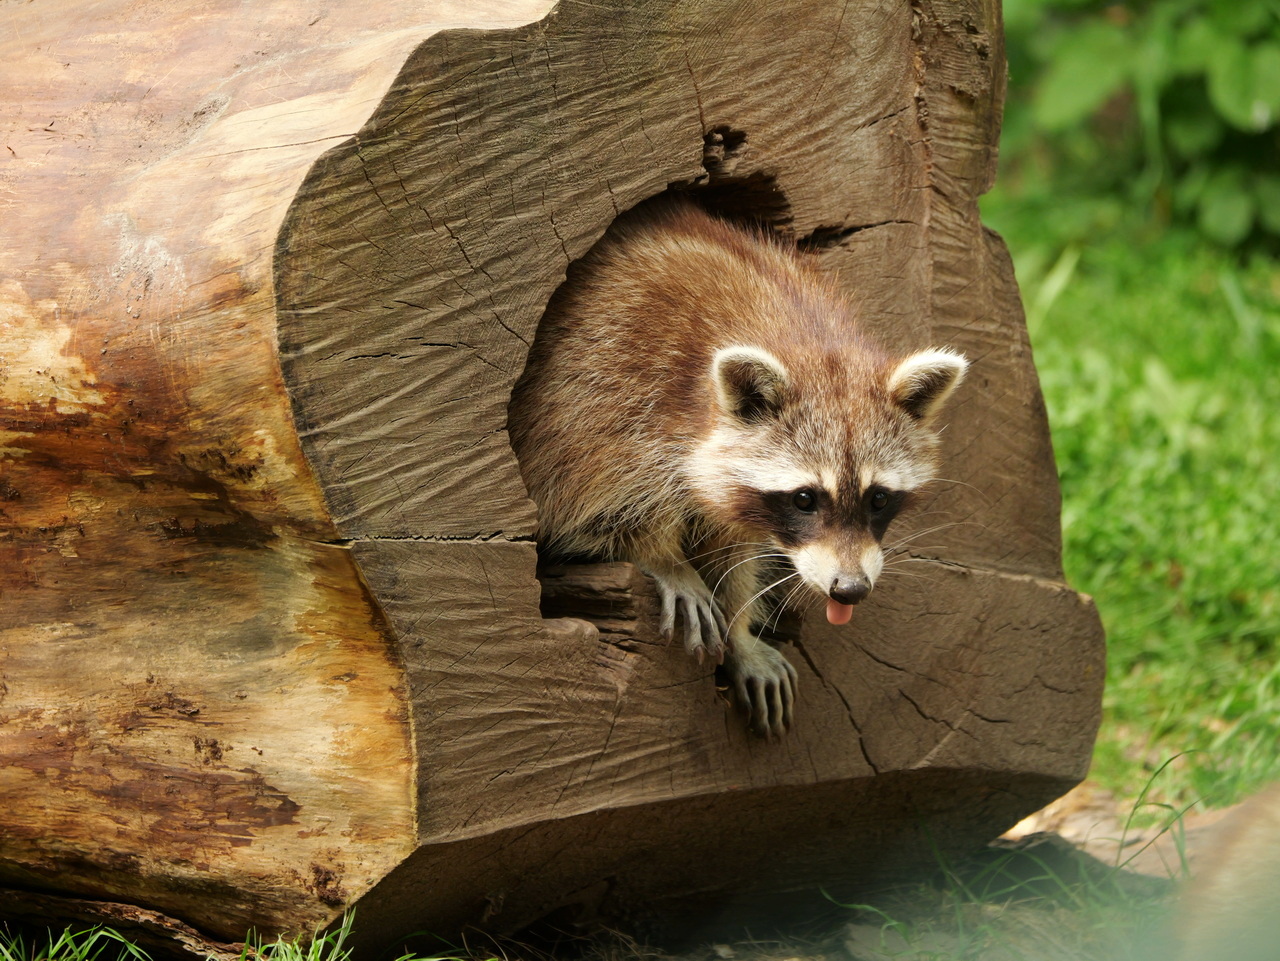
x=606 y=593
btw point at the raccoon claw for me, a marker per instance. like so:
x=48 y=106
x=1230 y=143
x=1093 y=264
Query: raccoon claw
x=765 y=683
x=704 y=625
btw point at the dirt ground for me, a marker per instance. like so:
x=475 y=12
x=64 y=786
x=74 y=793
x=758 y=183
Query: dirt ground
x=1095 y=821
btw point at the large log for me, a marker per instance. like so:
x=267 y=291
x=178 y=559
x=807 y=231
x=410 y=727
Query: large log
x=272 y=634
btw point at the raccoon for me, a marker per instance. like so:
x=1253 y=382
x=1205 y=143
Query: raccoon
x=699 y=401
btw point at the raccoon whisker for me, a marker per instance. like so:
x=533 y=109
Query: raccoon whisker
x=759 y=557
x=786 y=599
x=904 y=546
x=914 y=550
x=736 y=547
x=721 y=555
x=891 y=563
x=918 y=529
x=895 y=552
x=917 y=514
x=765 y=550
x=929 y=530
x=952 y=480
x=808 y=601
x=961 y=523
x=748 y=553
x=759 y=594
x=916 y=535
x=771 y=619
x=746 y=560
x=811 y=605
x=898 y=572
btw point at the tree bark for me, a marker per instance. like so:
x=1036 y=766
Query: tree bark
x=272 y=635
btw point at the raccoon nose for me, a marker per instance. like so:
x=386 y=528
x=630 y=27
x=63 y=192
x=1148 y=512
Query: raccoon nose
x=850 y=590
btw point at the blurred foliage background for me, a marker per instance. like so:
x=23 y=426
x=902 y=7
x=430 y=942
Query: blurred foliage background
x=1139 y=192
x=1168 y=108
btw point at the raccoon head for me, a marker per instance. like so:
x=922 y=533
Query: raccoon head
x=817 y=461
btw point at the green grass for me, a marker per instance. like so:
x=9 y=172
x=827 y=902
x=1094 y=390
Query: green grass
x=330 y=946
x=99 y=943
x=1048 y=904
x=89 y=944
x=1160 y=361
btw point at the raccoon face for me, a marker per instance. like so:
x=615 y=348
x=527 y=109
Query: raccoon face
x=833 y=541
x=820 y=470
x=832 y=534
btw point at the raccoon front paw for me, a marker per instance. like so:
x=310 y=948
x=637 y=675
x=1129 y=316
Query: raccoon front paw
x=765 y=683
x=705 y=630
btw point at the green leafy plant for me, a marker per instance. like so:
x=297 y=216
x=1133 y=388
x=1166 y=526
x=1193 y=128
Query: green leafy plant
x=1172 y=106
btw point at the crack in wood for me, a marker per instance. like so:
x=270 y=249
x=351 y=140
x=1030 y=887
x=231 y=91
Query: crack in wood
x=848 y=708
x=476 y=538
x=828 y=236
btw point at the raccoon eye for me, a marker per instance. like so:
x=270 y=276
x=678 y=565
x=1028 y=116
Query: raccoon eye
x=805 y=501
x=878 y=499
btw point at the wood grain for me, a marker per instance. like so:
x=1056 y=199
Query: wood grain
x=272 y=634
x=202 y=710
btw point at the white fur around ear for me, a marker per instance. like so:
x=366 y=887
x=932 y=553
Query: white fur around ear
x=750 y=383
x=923 y=381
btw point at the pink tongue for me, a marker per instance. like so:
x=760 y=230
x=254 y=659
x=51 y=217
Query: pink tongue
x=838 y=613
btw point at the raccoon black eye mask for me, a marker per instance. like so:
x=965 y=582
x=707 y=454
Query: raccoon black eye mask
x=699 y=401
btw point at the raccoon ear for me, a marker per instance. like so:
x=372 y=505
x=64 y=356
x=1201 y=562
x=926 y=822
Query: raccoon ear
x=750 y=383
x=923 y=381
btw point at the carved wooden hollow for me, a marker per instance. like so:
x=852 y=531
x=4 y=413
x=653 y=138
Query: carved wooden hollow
x=272 y=640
